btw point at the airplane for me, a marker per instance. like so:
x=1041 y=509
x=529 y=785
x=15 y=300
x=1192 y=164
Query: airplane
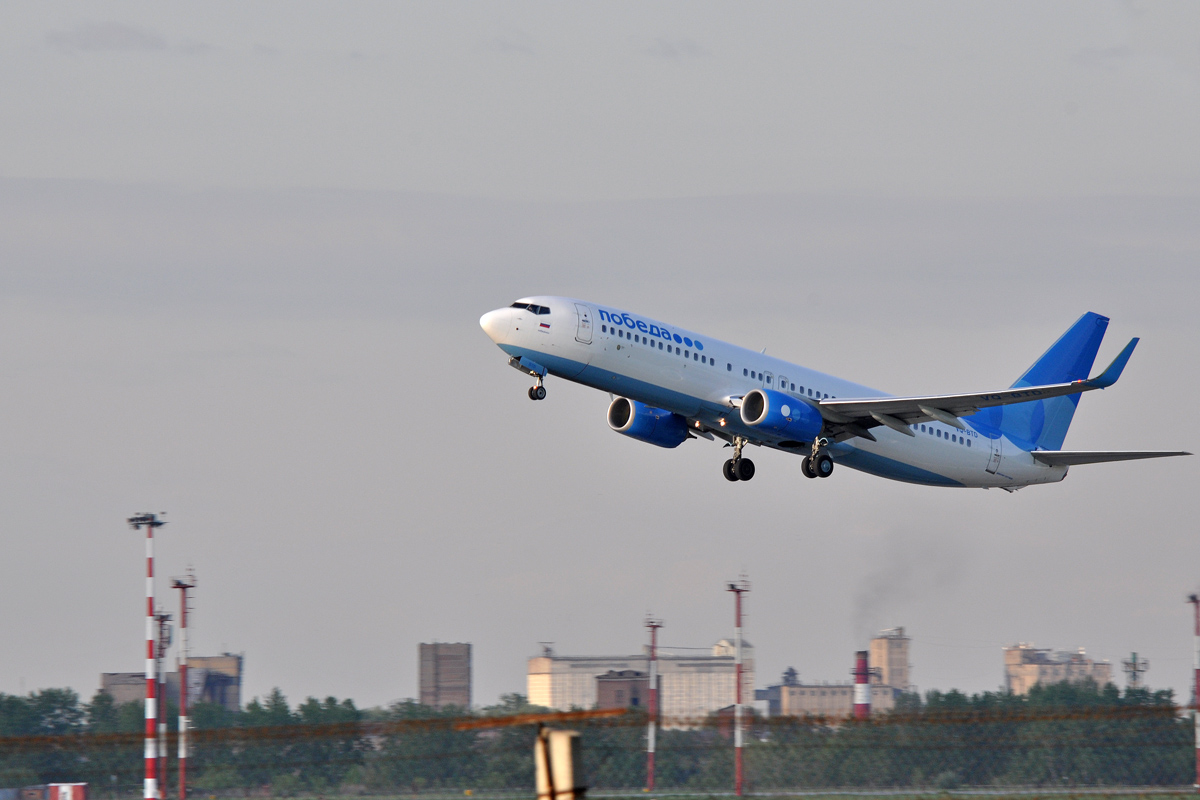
x=669 y=385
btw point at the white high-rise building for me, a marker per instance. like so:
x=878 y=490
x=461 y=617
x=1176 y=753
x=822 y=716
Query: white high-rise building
x=690 y=686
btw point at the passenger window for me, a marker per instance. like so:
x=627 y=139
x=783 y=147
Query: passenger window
x=745 y=372
x=686 y=354
x=939 y=433
x=604 y=328
x=968 y=442
x=695 y=356
x=922 y=429
x=660 y=345
x=729 y=367
x=793 y=387
x=954 y=438
x=768 y=379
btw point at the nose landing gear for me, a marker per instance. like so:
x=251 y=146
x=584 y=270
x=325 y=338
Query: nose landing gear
x=738 y=468
x=537 y=391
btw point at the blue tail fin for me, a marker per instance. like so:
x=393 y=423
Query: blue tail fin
x=1043 y=423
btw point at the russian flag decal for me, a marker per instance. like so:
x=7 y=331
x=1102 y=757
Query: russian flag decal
x=546 y=325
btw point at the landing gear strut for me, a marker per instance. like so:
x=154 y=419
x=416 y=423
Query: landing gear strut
x=537 y=391
x=819 y=464
x=738 y=468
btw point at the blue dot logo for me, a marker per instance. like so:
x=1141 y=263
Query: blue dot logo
x=687 y=341
x=678 y=339
x=698 y=345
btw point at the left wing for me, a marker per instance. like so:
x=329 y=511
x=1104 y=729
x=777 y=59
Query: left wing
x=856 y=415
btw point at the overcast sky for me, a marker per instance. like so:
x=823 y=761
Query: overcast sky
x=244 y=248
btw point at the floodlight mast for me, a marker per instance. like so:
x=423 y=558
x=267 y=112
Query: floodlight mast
x=1195 y=601
x=184 y=585
x=738 y=588
x=150 y=784
x=164 y=643
x=653 y=624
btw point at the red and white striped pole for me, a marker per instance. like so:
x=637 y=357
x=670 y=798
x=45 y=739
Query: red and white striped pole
x=150 y=784
x=862 y=686
x=1195 y=601
x=164 y=641
x=653 y=625
x=739 y=588
x=183 y=585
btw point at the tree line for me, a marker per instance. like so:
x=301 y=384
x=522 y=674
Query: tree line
x=1057 y=735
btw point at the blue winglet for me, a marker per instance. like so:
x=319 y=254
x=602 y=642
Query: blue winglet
x=1110 y=375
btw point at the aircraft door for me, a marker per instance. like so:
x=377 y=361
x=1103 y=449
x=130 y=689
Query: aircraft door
x=994 y=460
x=583 y=332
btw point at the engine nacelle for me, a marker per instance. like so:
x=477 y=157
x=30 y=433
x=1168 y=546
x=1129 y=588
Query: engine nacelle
x=647 y=424
x=782 y=415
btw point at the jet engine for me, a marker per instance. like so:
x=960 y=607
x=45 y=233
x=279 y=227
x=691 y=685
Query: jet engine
x=780 y=414
x=647 y=424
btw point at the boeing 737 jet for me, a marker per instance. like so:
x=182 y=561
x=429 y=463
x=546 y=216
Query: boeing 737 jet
x=670 y=385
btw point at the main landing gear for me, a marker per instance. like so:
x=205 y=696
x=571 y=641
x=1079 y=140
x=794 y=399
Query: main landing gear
x=537 y=391
x=738 y=468
x=819 y=464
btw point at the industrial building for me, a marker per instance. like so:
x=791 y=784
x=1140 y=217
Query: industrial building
x=1026 y=666
x=889 y=676
x=211 y=679
x=690 y=686
x=445 y=675
x=888 y=659
x=623 y=688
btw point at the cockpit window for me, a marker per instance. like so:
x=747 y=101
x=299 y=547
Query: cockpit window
x=536 y=309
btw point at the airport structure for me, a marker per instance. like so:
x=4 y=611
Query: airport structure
x=445 y=675
x=887 y=672
x=689 y=686
x=211 y=679
x=1026 y=666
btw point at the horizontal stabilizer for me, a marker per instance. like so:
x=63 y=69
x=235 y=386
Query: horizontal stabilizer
x=1067 y=458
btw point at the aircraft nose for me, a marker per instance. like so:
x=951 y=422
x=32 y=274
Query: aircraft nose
x=495 y=324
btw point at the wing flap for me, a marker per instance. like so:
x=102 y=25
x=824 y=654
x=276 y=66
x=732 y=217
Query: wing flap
x=1068 y=458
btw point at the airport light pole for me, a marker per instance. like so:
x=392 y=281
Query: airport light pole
x=653 y=624
x=738 y=588
x=164 y=642
x=1195 y=601
x=184 y=585
x=150 y=783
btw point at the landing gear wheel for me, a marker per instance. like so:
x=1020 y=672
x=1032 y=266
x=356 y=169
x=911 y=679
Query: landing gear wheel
x=538 y=392
x=532 y=396
x=806 y=467
x=823 y=466
x=744 y=469
x=728 y=470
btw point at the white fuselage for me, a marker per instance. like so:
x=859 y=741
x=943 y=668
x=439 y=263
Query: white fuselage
x=701 y=379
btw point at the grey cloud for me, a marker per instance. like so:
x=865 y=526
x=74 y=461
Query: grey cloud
x=104 y=36
x=1108 y=58
x=507 y=45
x=676 y=49
x=96 y=37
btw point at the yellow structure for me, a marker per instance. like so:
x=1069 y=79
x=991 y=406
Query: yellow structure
x=888 y=659
x=1026 y=666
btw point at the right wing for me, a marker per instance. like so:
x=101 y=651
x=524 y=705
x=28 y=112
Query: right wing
x=1067 y=458
x=857 y=415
